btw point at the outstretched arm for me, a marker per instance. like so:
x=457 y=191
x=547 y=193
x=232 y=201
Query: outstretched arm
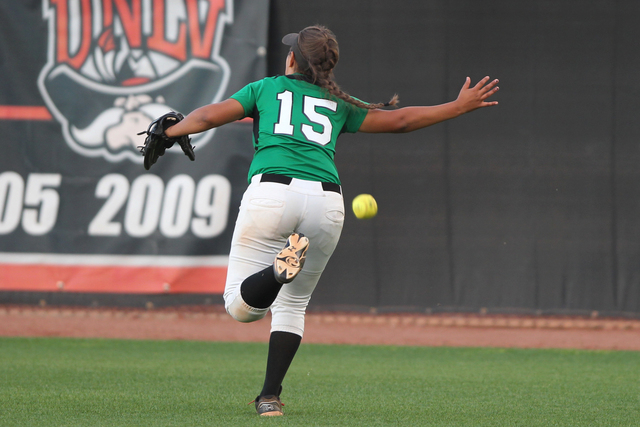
x=409 y=119
x=207 y=117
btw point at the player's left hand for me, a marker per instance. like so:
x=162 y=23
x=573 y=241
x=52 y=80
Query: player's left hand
x=157 y=140
x=471 y=98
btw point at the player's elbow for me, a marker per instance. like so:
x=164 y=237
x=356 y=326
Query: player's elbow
x=402 y=124
x=402 y=127
x=405 y=120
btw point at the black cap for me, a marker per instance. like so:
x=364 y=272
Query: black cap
x=292 y=40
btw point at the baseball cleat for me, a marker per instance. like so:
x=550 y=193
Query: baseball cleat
x=269 y=406
x=290 y=260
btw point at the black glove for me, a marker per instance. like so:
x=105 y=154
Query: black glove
x=157 y=140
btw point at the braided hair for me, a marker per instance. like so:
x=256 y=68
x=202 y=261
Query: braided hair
x=319 y=48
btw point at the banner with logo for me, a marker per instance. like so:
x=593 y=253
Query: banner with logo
x=80 y=79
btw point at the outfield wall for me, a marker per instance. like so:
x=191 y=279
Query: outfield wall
x=79 y=214
x=531 y=205
x=534 y=204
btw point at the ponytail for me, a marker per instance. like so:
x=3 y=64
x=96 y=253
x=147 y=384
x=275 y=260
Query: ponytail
x=318 y=47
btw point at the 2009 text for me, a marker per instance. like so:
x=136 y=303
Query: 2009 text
x=172 y=209
x=149 y=205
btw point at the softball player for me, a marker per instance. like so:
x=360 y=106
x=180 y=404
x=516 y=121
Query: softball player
x=292 y=213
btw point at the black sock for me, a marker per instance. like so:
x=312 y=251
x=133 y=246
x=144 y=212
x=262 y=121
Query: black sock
x=261 y=289
x=282 y=348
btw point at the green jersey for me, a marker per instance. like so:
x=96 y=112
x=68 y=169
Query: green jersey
x=295 y=127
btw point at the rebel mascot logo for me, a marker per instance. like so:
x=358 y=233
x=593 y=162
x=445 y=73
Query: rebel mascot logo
x=113 y=66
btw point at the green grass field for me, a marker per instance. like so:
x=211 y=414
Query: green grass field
x=81 y=382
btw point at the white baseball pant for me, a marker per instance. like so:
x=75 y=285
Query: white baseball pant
x=269 y=213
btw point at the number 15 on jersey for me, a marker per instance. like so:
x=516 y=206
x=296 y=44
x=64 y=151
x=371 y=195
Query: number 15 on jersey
x=310 y=107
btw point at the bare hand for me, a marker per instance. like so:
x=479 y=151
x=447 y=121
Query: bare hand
x=471 y=98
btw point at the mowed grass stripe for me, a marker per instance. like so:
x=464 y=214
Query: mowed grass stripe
x=92 y=382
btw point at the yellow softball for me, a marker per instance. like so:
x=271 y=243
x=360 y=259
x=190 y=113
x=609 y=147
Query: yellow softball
x=364 y=206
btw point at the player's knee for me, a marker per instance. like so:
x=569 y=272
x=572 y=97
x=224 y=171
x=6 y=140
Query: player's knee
x=243 y=312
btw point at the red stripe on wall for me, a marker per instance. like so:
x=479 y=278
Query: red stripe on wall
x=112 y=279
x=16 y=112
